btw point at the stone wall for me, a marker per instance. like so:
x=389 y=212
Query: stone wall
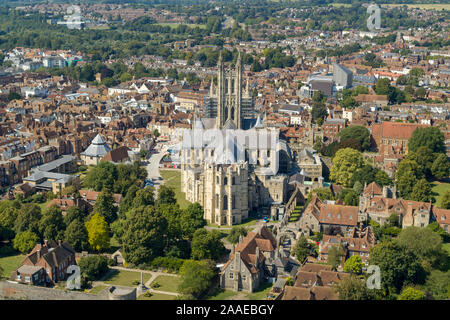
x=15 y=291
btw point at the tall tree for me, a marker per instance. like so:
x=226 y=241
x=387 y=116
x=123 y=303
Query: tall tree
x=77 y=235
x=335 y=256
x=398 y=265
x=345 y=163
x=207 y=245
x=421 y=191
x=196 y=278
x=166 y=195
x=51 y=225
x=144 y=235
x=359 y=133
x=302 y=249
x=28 y=218
x=430 y=137
x=98 y=232
x=25 y=241
x=441 y=167
x=104 y=205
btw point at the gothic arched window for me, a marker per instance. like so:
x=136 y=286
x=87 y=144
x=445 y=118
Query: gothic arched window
x=225 y=202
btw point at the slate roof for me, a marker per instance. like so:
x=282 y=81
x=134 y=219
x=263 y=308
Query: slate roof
x=98 y=148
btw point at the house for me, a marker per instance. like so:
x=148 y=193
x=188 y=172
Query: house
x=313 y=282
x=65 y=203
x=358 y=243
x=46 y=264
x=91 y=196
x=118 y=155
x=442 y=216
x=25 y=190
x=95 y=152
x=246 y=267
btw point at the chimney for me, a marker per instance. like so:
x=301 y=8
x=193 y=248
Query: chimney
x=45 y=243
x=59 y=242
x=38 y=253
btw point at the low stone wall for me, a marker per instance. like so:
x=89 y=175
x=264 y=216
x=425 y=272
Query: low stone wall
x=15 y=291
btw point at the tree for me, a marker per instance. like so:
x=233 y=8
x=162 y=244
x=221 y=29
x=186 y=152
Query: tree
x=127 y=202
x=144 y=235
x=411 y=293
x=438 y=284
x=407 y=175
x=436 y=228
x=354 y=288
x=144 y=197
x=196 y=277
x=51 y=225
x=445 y=201
x=207 y=245
x=360 y=133
x=345 y=163
x=166 y=195
x=98 y=232
x=398 y=265
x=441 y=167
x=104 y=205
x=73 y=213
x=77 y=235
x=382 y=178
x=421 y=191
x=424 y=158
x=25 y=241
x=426 y=245
x=335 y=255
x=302 y=249
x=191 y=219
x=104 y=175
x=358 y=187
x=430 y=137
x=236 y=233
x=351 y=198
x=28 y=218
x=93 y=267
x=354 y=265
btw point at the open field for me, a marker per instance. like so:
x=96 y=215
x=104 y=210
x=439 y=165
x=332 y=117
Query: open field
x=438 y=190
x=126 y=278
x=172 y=178
x=167 y=283
x=97 y=289
x=10 y=263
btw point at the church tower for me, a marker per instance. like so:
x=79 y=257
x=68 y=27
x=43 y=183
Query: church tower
x=229 y=95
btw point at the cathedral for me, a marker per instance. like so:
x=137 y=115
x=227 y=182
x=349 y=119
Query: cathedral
x=250 y=175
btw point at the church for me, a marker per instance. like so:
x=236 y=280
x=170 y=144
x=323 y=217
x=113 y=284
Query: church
x=251 y=174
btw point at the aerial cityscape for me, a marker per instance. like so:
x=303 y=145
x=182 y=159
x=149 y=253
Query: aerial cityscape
x=255 y=150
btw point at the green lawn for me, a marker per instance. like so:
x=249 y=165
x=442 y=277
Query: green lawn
x=10 y=263
x=157 y=296
x=97 y=289
x=248 y=223
x=438 y=190
x=262 y=292
x=167 y=283
x=172 y=178
x=223 y=295
x=125 y=278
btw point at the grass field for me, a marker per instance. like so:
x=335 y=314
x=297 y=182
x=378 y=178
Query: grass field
x=125 y=278
x=10 y=263
x=97 y=289
x=426 y=6
x=260 y=294
x=157 y=296
x=172 y=178
x=167 y=283
x=438 y=190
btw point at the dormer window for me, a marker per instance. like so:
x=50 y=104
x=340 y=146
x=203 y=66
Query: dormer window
x=329 y=215
x=442 y=218
x=350 y=217
x=339 y=215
